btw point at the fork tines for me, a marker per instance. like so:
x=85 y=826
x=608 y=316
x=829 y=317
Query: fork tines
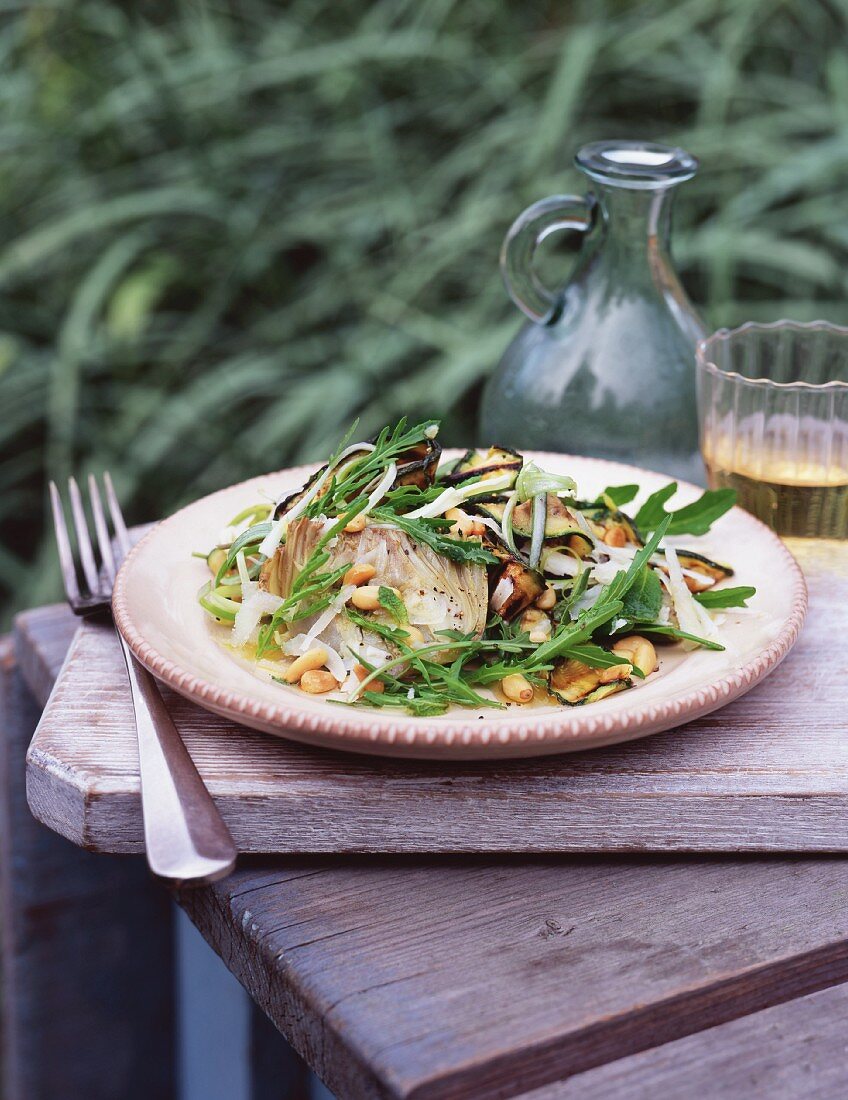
x=95 y=591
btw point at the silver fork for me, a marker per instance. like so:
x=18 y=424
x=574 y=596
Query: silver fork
x=184 y=834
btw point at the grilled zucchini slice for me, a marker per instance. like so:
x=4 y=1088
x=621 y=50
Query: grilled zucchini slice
x=577 y=543
x=559 y=520
x=515 y=587
x=417 y=466
x=216 y=558
x=561 y=529
x=484 y=464
x=602 y=692
x=574 y=683
x=487 y=509
x=293 y=498
x=606 y=518
x=711 y=571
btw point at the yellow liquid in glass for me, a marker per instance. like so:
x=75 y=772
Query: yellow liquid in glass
x=801 y=501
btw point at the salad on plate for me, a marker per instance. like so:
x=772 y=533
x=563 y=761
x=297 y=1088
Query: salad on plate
x=394 y=579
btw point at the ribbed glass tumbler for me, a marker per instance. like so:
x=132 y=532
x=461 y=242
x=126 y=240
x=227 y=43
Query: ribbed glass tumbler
x=773 y=418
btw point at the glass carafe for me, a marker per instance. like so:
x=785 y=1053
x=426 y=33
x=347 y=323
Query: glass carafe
x=606 y=365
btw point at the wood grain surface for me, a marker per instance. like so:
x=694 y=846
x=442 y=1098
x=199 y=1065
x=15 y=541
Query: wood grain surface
x=480 y=978
x=42 y=638
x=87 y=993
x=767 y=773
x=793 y=1050
x=497 y=976
x=129 y=902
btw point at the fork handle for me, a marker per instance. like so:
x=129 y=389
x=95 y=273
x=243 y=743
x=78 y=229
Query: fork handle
x=185 y=836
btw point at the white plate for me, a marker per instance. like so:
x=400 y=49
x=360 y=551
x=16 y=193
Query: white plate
x=156 y=609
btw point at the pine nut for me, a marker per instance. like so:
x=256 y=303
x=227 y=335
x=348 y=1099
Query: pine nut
x=639 y=651
x=538 y=636
x=614 y=672
x=318 y=681
x=416 y=638
x=367 y=598
x=547 y=600
x=516 y=688
x=535 y=622
x=359 y=573
x=615 y=537
x=356 y=524
x=361 y=672
x=462 y=523
x=312 y=659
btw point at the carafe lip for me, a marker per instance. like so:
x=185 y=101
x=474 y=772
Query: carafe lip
x=637 y=165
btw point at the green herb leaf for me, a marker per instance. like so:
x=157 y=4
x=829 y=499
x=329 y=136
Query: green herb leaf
x=427 y=531
x=643 y=598
x=457 y=635
x=343 y=442
x=678 y=635
x=693 y=519
x=392 y=603
x=309 y=582
x=388 y=446
x=616 y=495
x=406 y=498
x=651 y=514
x=574 y=633
x=426 y=708
x=597 y=657
x=498 y=670
x=726 y=597
x=697 y=518
x=562 y=610
x=391 y=634
x=422 y=706
x=622 y=581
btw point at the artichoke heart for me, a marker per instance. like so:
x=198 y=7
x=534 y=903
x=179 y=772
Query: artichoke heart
x=438 y=594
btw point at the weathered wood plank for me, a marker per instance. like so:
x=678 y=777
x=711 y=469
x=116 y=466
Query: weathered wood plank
x=450 y=978
x=42 y=638
x=86 y=952
x=42 y=641
x=793 y=1050
x=768 y=773
x=458 y=978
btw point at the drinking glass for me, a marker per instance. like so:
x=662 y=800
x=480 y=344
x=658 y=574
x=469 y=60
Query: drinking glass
x=773 y=419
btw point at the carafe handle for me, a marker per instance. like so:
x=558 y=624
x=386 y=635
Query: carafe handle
x=525 y=235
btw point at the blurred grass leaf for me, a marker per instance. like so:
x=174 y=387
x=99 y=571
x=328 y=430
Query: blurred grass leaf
x=227 y=229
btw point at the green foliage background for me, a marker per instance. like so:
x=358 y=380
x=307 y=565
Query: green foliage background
x=226 y=229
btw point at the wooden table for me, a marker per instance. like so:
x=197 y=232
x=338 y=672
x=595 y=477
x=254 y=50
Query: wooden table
x=504 y=976
x=767 y=774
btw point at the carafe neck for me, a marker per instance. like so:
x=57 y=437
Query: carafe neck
x=635 y=222
x=634 y=182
